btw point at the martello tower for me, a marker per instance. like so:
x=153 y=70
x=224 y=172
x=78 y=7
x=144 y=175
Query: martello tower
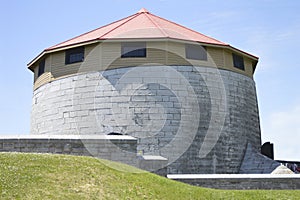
x=185 y=96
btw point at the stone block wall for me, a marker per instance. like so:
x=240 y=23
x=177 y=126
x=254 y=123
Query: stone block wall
x=155 y=164
x=256 y=163
x=109 y=147
x=199 y=118
x=105 y=147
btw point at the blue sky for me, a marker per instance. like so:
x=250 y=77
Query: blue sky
x=269 y=29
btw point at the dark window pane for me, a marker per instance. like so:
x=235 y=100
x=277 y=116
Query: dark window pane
x=133 y=50
x=74 y=55
x=41 y=67
x=238 y=61
x=195 y=52
x=253 y=66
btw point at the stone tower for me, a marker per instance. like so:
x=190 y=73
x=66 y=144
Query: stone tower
x=185 y=96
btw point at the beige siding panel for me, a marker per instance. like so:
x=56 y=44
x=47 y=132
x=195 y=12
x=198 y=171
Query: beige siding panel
x=107 y=55
x=110 y=53
x=177 y=48
x=228 y=59
x=48 y=63
x=47 y=66
x=57 y=62
x=229 y=64
x=176 y=59
x=66 y=70
x=91 y=59
x=58 y=67
x=176 y=54
x=216 y=56
x=35 y=72
x=156 y=57
x=159 y=53
x=128 y=62
x=156 y=53
x=111 y=56
x=179 y=58
x=43 y=79
x=248 y=66
x=58 y=59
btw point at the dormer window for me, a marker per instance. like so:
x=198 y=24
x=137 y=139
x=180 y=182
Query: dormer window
x=133 y=50
x=238 y=61
x=195 y=52
x=74 y=55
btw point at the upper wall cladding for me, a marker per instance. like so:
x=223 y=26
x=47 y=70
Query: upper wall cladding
x=107 y=55
x=59 y=68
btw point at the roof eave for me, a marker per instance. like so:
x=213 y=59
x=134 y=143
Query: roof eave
x=244 y=53
x=56 y=49
x=31 y=63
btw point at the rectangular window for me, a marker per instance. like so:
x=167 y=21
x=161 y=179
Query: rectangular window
x=238 y=61
x=195 y=52
x=133 y=50
x=41 y=67
x=74 y=55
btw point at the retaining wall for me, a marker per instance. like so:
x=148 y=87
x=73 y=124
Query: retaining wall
x=110 y=147
x=115 y=148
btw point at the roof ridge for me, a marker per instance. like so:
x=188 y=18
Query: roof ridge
x=161 y=30
x=188 y=29
x=53 y=47
x=132 y=17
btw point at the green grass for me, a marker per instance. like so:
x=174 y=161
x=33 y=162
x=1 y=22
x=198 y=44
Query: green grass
x=47 y=176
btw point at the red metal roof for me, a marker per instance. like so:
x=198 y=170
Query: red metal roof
x=143 y=24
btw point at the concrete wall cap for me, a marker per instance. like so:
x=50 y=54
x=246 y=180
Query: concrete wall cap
x=230 y=176
x=78 y=137
x=150 y=157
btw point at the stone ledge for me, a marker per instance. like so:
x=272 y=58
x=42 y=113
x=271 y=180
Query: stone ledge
x=112 y=147
x=150 y=157
x=241 y=181
x=230 y=176
x=73 y=137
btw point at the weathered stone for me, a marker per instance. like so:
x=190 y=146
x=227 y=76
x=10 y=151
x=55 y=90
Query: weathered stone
x=157 y=111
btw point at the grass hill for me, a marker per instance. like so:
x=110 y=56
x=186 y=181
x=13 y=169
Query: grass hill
x=48 y=176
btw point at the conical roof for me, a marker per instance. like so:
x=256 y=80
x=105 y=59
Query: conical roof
x=141 y=25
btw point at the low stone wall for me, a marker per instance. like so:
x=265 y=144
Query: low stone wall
x=117 y=148
x=157 y=164
x=123 y=149
x=241 y=181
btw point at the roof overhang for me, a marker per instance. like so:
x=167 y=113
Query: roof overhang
x=48 y=51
